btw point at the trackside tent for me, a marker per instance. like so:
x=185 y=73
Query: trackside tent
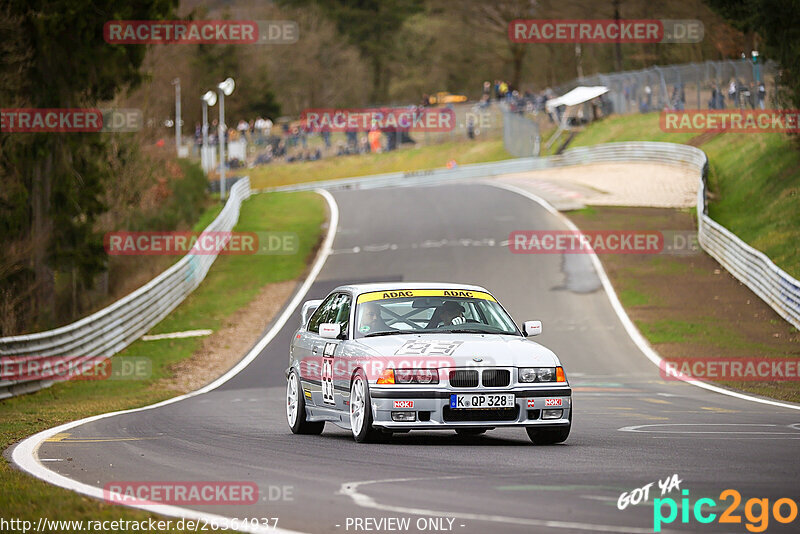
x=571 y=101
x=577 y=96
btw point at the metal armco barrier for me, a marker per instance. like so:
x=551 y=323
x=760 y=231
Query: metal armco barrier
x=108 y=331
x=748 y=265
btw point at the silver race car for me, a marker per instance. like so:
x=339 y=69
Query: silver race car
x=385 y=358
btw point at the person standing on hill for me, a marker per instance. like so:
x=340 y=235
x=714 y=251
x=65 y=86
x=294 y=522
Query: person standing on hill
x=503 y=90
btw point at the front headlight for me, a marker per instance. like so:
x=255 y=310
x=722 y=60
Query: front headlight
x=527 y=374
x=416 y=376
x=542 y=374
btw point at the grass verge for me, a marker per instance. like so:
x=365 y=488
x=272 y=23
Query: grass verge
x=686 y=305
x=231 y=283
x=410 y=159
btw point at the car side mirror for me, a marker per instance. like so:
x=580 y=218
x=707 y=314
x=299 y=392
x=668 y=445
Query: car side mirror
x=330 y=330
x=532 y=328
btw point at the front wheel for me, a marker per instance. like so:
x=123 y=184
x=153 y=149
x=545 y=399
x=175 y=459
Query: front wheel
x=548 y=436
x=361 y=411
x=296 y=409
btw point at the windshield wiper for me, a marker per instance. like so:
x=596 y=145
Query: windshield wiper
x=384 y=333
x=472 y=331
x=425 y=331
x=407 y=332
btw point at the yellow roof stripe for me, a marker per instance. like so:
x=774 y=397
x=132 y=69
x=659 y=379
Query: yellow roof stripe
x=400 y=293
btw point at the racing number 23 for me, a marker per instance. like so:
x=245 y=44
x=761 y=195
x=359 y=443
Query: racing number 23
x=327 y=373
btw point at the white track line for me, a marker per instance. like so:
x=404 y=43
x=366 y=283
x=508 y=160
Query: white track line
x=25 y=454
x=633 y=332
x=636 y=428
x=351 y=490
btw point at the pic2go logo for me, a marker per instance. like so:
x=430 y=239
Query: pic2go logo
x=756 y=522
x=638 y=495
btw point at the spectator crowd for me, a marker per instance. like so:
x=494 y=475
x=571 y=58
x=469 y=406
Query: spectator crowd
x=289 y=140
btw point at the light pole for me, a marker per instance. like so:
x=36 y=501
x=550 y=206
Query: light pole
x=225 y=89
x=177 y=83
x=756 y=70
x=209 y=99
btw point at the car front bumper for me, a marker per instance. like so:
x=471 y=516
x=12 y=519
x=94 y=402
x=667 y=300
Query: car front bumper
x=431 y=408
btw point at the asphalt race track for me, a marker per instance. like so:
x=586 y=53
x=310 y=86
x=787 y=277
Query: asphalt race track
x=630 y=427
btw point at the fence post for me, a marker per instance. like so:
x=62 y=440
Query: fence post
x=697 y=82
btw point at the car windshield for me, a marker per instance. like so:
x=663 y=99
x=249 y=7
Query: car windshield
x=431 y=311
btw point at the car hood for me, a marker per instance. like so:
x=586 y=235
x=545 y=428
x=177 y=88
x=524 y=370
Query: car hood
x=458 y=350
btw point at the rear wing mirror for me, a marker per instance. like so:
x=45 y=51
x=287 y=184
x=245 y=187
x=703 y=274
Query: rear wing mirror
x=309 y=307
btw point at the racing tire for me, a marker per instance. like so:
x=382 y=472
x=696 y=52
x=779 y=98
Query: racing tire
x=296 y=409
x=361 y=411
x=548 y=436
x=470 y=431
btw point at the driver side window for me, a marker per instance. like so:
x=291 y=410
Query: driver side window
x=341 y=312
x=322 y=315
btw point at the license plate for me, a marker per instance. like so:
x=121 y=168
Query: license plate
x=482 y=401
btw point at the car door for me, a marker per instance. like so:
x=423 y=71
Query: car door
x=334 y=365
x=335 y=351
x=308 y=346
x=325 y=353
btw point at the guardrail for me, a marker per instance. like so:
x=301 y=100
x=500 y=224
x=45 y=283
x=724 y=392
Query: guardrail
x=395 y=179
x=661 y=152
x=108 y=331
x=748 y=265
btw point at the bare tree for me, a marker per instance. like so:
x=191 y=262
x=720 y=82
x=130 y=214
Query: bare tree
x=493 y=18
